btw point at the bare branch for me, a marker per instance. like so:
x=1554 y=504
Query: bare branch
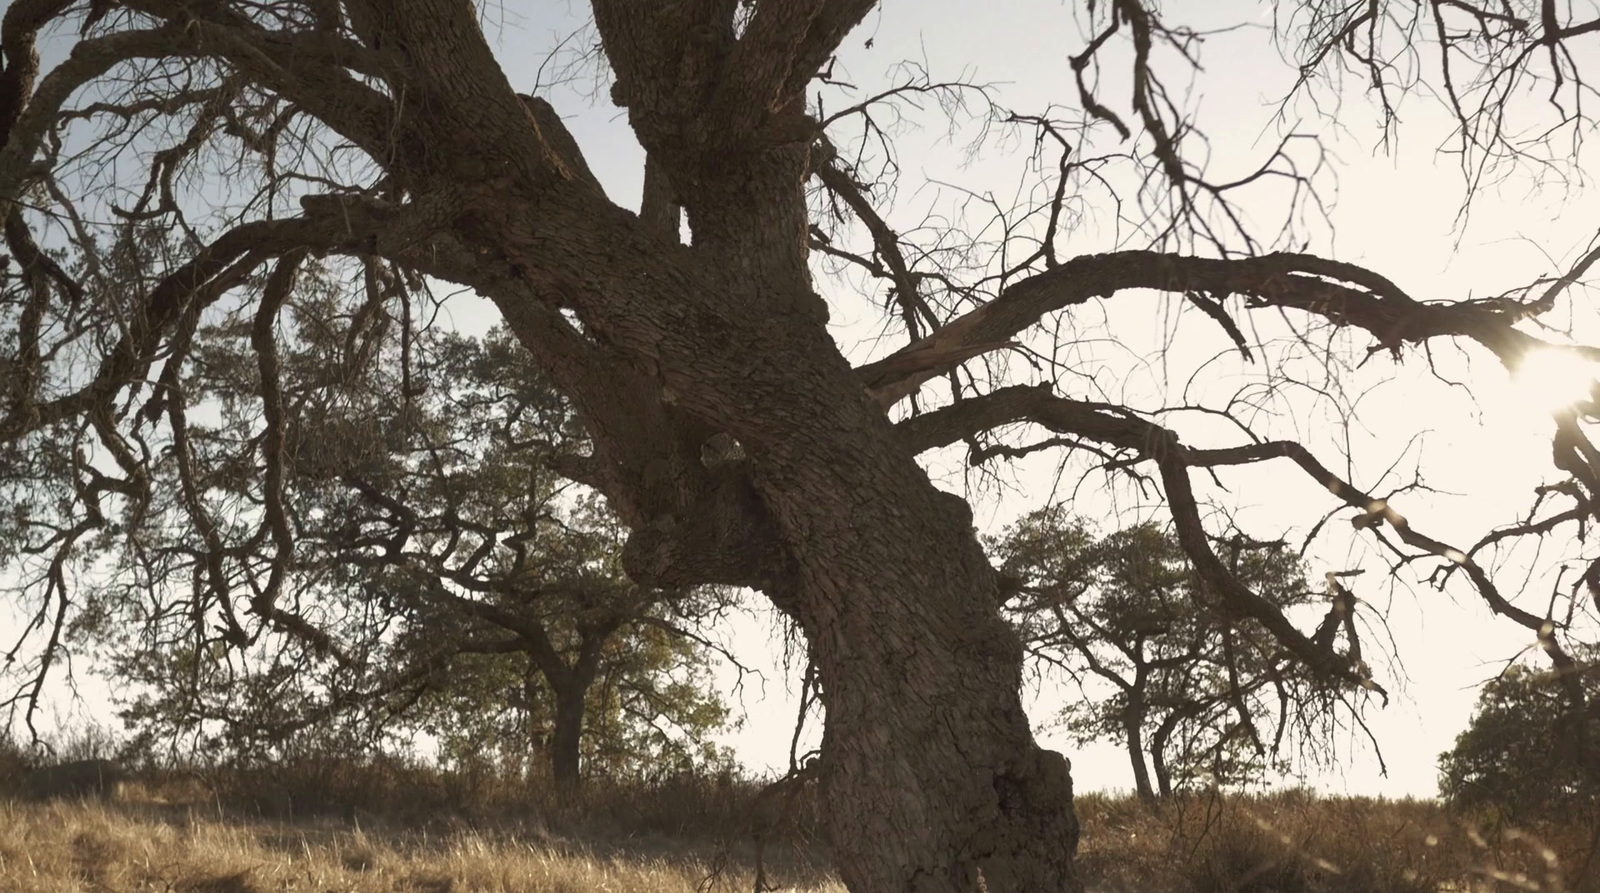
x=1342 y=294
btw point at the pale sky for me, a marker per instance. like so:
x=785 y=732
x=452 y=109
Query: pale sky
x=1394 y=213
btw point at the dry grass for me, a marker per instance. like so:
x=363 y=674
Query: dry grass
x=176 y=835
x=1299 y=843
x=63 y=847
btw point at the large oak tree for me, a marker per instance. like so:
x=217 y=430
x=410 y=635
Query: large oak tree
x=729 y=432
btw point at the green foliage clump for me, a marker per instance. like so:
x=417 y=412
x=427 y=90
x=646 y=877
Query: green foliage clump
x=402 y=557
x=1526 y=752
x=1198 y=695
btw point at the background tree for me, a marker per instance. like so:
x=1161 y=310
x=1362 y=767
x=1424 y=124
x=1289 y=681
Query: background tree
x=1195 y=695
x=444 y=568
x=1527 y=752
x=729 y=432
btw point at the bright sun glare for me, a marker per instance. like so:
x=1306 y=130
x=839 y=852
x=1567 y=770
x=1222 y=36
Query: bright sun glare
x=1553 y=379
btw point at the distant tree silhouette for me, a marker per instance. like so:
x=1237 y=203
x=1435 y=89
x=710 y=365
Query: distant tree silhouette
x=459 y=584
x=1526 y=751
x=1195 y=696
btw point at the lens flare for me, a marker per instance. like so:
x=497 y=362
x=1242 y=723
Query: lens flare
x=1555 y=380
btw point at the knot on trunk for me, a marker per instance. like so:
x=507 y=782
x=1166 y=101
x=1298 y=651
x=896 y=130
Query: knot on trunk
x=1041 y=781
x=724 y=536
x=1035 y=801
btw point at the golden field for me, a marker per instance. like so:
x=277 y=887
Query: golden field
x=398 y=832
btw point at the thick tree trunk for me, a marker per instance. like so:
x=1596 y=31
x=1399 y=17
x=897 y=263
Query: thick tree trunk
x=932 y=775
x=567 y=739
x=933 y=779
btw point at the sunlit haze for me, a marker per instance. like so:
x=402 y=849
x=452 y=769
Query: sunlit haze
x=1555 y=380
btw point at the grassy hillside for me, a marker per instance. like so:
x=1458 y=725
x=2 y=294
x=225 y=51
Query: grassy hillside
x=180 y=833
x=75 y=847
